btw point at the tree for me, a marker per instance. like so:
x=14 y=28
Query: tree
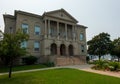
x=116 y=48
x=99 y=45
x=10 y=47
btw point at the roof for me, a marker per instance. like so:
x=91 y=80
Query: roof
x=61 y=10
x=26 y=13
x=45 y=13
x=82 y=26
x=9 y=16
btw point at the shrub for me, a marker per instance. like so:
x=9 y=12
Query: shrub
x=115 y=66
x=29 y=60
x=105 y=65
x=50 y=64
x=111 y=68
x=101 y=64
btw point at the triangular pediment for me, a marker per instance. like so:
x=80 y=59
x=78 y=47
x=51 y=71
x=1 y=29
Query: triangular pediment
x=62 y=14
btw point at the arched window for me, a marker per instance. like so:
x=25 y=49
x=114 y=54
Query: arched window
x=62 y=50
x=53 y=49
x=70 y=50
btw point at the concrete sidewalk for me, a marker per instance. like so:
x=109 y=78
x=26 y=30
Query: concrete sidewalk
x=85 y=67
x=72 y=66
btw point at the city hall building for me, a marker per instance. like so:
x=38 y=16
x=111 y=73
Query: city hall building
x=54 y=36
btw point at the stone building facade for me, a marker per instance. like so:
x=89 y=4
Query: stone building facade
x=55 y=36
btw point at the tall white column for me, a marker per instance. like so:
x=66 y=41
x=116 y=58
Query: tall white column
x=45 y=28
x=66 y=31
x=73 y=33
x=58 y=30
x=49 y=30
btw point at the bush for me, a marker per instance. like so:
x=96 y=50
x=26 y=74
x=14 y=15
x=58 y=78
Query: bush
x=105 y=65
x=115 y=66
x=101 y=64
x=29 y=60
x=50 y=64
x=111 y=68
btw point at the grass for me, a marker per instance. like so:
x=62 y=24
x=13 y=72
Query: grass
x=25 y=67
x=59 y=76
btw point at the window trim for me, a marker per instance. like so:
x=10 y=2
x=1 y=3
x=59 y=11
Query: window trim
x=35 y=48
x=24 y=28
x=35 y=29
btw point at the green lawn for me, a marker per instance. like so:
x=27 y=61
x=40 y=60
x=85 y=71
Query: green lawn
x=19 y=68
x=59 y=76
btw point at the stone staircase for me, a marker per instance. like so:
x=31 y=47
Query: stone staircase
x=62 y=61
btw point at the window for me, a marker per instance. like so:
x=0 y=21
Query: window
x=82 y=48
x=81 y=36
x=25 y=28
x=24 y=44
x=37 y=30
x=36 y=46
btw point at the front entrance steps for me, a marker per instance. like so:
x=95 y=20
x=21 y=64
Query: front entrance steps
x=64 y=60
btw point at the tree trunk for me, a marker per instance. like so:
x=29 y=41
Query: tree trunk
x=10 y=68
x=99 y=57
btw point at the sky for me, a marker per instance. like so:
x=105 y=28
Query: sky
x=98 y=15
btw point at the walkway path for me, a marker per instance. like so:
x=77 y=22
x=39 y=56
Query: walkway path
x=80 y=67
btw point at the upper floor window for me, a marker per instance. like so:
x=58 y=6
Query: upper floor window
x=81 y=36
x=24 y=44
x=36 y=46
x=25 y=28
x=37 y=30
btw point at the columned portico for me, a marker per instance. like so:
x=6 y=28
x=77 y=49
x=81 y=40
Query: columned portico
x=62 y=30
